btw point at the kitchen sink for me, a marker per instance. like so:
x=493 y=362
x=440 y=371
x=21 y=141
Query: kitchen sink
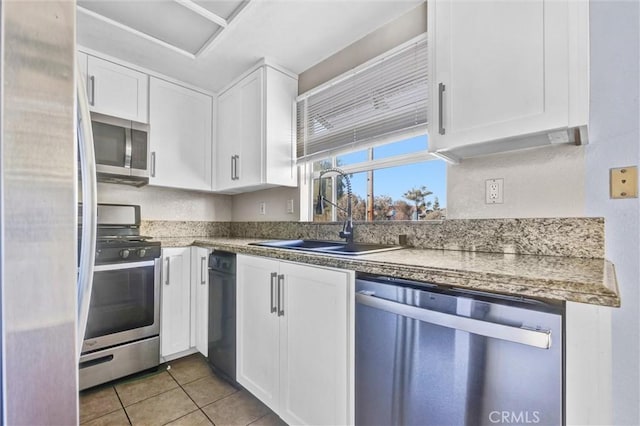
x=329 y=247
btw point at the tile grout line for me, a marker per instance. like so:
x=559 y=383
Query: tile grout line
x=122 y=405
x=180 y=386
x=196 y=404
x=105 y=414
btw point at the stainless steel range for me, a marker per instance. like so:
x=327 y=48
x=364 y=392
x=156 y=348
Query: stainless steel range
x=122 y=335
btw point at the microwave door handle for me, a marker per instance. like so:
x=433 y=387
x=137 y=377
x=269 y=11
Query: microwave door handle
x=89 y=208
x=127 y=148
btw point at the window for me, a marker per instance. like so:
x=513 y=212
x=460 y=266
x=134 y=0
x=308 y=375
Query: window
x=371 y=122
x=382 y=101
x=386 y=184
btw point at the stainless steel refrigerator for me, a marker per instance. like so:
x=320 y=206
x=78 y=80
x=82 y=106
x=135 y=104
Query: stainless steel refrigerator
x=38 y=214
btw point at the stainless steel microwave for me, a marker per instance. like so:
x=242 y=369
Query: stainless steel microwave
x=121 y=149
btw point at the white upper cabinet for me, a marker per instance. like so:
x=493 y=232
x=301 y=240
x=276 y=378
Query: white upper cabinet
x=180 y=134
x=505 y=70
x=116 y=90
x=256 y=132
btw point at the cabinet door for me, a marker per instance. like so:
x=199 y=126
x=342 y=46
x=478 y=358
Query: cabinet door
x=228 y=141
x=240 y=134
x=250 y=161
x=280 y=128
x=199 y=299
x=315 y=345
x=116 y=90
x=257 y=329
x=180 y=136
x=501 y=68
x=175 y=300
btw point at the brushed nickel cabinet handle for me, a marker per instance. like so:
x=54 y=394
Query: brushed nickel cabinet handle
x=92 y=90
x=280 y=295
x=153 y=164
x=166 y=281
x=441 y=89
x=203 y=270
x=273 y=307
x=235 y=175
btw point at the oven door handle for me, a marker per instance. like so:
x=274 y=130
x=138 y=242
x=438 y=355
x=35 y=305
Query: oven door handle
x=117 y=266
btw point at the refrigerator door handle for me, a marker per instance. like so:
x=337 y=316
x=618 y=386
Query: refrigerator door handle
x=537 y=338
x=89 y=208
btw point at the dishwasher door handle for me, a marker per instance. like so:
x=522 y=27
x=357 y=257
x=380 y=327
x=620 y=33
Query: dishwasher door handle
x=537 y=338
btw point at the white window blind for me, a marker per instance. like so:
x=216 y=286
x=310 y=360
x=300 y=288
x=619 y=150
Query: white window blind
x=383 y=102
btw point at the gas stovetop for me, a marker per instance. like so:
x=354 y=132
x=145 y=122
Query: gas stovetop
x=118 y=235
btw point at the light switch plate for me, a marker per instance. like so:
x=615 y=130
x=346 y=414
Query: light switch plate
x=290 y=206
x=263 y=207
x=623 y=182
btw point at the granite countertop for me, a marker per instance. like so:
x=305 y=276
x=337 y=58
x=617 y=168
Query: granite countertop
x=573 y=279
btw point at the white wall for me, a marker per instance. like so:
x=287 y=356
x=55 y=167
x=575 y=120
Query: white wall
x=246 y=207
x=396 y=32
x=168 y=204
x=539 y=182
x=615 y=135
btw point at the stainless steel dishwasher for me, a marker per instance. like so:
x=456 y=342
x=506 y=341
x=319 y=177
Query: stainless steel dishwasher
x=222 y=314
x=430 y=356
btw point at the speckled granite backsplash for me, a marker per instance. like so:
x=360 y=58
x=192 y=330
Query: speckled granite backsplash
x=171 y=229
x=573 y=237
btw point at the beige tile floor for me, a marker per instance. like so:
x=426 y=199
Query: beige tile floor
x=188 y=393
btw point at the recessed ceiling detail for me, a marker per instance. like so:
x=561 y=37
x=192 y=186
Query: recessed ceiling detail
x=188 y=27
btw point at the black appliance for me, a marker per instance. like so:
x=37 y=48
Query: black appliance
x=123 y=325
x=222 y=314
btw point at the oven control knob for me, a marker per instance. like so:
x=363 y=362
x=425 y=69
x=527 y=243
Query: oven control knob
x=142 y=252
x=124 y=253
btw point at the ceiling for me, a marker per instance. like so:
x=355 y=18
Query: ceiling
x=208 y=43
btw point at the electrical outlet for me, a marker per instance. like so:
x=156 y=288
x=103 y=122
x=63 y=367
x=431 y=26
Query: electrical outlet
x=263 y=207
x=290 y=206
x=494 y=191
x=624 y=182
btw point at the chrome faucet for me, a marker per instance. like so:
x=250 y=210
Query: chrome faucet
x=347 y=228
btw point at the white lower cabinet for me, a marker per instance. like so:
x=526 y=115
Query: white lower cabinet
x=588 y=364
x=175 y=306
x=184 y=299
x=294 y=345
